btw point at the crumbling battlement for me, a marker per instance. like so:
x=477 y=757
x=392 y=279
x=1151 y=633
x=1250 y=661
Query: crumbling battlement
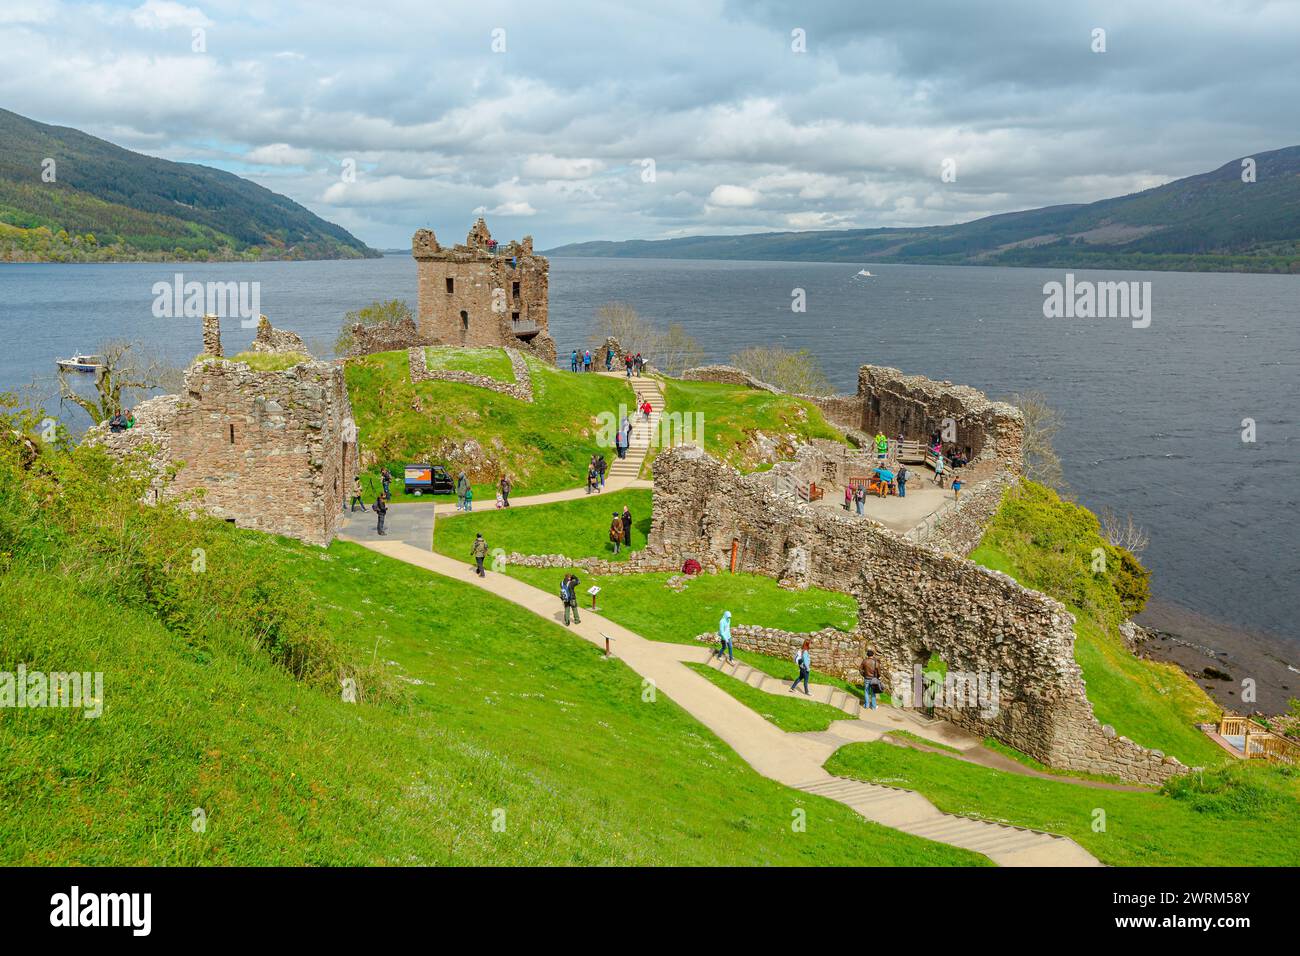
x=274 y=450
x=912 y=601
x=910 y=406
x=483 y=294
x=274 y=340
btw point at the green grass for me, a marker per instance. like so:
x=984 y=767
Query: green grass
x=733 y=413
x=507 y=713
x=1047 y=544
x=794 y=714
x=575 y=529
x=489 y=362
x=544 y=445
x=992 y=743
x=1235 y=816
x=910 y=737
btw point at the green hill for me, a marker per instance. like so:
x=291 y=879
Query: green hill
x=1211 y=222
x=107 y=203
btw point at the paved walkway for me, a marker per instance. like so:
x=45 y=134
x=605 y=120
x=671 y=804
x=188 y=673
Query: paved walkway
x=792 y=759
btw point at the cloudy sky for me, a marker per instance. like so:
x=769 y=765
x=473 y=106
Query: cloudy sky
x=583 y=120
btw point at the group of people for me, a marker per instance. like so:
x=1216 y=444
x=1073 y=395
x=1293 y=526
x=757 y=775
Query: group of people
x=596 y=469
x=380 y=505
x=121 y=422
x=634 y=364
x=869 y=668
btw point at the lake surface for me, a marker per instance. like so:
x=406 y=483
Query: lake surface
x=1152 y=418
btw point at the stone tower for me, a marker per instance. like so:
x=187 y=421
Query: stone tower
x=482 y=293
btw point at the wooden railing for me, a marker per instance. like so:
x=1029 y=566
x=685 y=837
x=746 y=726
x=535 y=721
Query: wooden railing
x=1258 y=742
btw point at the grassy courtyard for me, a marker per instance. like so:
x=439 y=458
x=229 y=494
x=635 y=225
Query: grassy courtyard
x=794 y=714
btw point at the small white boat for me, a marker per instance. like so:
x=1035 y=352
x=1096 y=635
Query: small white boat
x=81 y=363
x=864 y=272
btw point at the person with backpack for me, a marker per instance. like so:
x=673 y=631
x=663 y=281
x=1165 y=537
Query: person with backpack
x=609 y=358
x=462 y=490
x=804 y=660
x=871 y=685
x=381 y=512
x=573 y=361
x=724 y=637
x=356 y=494
x=901 y=478
x=569 y=595
x=601 y=467
x=638 y=364
x=386 y=478
x=616 y=531
x=592 y=477
x=479 y=551
x=469 y=498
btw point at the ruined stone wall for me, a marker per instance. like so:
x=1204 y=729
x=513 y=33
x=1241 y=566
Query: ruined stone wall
x=477 y=295
x=521 y=388
x=386 y=337
x=912 y=601
x=909 y=405
x=269 y=339
x=274 y=451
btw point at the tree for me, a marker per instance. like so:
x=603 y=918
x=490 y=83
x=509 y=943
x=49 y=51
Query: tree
x=1123 y=532
x=378 y=312
x=671 y=350
x=1041 y=425
x=797 y=372
x=129 y=374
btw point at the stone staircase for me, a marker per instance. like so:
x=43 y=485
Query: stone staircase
x=907 y=810
x=646 y=389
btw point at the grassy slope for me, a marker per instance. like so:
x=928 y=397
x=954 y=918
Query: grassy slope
x=544 y=445
x=493 y=363
x=794 y=714
x=507 y=711
x=733 y=412
x=1046 y=544
x=1244 y=816
x=575 y=529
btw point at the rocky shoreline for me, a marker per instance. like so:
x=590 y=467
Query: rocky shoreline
x=1219 y=656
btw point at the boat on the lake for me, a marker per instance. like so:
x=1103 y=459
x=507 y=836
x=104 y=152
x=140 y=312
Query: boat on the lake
x=81 y=363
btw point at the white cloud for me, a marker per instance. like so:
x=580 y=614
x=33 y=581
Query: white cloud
x=548 y=166
x=733 y=196
x=279 y=154
x=165 y=14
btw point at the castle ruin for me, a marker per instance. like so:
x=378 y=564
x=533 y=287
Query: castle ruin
x=274 y=451
x=483 y=294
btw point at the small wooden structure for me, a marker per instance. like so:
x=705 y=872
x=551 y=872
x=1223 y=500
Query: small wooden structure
x=1254 y=741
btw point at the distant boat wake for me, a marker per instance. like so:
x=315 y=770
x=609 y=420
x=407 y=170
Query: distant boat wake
x=864 y=272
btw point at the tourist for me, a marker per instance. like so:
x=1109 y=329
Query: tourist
x=804 y=660
x=479 y=550
x=462 y=489
x=871 y=685
x=638 y=364
x=902 y=481
x=645 y=409
x=573 y=361
x=938 y=470
x=381 y=512
x=627 y=361
x=616 y=531
x=848 y=497
x=724 y=638
x=469 y=498
x=356 y=493
x=956 y=489
x=627 y=527
x=601 y=467
x=117 y=423
x=569 y=595
x=386 y=477
x=592 y=477
x=609 y=358
x=882 y=446
x=505 y=491
x=860 y=497
x=586 y=360
x=620 y=449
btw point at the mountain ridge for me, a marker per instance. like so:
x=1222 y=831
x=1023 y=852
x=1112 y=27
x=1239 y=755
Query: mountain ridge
x=67 y=196
x=1213 y=221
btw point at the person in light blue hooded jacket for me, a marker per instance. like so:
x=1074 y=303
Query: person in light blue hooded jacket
x=724 y=633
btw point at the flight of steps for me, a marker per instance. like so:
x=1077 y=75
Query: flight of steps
x=629 y=468
x=904 y=809
x=823 y=693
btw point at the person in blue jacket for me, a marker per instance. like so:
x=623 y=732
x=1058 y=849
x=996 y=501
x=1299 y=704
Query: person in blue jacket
x=804 y=660
x=724 y=635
